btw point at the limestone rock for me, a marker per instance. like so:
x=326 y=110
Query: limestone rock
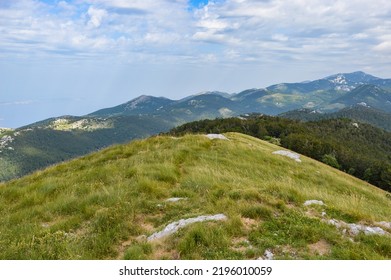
x=289 y=154
x=175 y=226
x=216 y=136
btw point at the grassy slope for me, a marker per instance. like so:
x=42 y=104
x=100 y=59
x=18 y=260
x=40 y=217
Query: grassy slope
x=100 y=206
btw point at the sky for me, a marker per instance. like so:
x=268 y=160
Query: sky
x=73 y=57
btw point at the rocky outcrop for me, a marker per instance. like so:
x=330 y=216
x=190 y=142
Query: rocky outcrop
x=289 y=154
x=175 y=226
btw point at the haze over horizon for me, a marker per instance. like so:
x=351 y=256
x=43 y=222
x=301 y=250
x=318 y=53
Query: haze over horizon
x=77 y=56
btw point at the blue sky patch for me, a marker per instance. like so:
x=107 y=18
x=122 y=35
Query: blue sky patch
x=198 y=3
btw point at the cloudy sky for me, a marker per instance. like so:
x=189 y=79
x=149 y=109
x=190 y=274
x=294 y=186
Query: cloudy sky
x=76 y=56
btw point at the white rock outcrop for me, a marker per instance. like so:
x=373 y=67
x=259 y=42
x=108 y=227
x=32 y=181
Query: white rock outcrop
x=175 y=226
x=355 y=229
x=216 y=136
x=312 y=202
x=175 y=199
x=5 y=140
x=289 y=154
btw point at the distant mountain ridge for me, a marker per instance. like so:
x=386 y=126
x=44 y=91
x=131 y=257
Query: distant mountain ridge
x=341 y=81
x=367 y=95
x=57 y=139
x=143 y=104
x=360 y=113
x=331 y=93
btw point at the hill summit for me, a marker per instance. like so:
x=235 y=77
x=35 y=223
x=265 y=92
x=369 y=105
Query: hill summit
x=227 y=196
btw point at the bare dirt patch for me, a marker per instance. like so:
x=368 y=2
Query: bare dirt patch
x=322 y=247
x=312 y=213
x=249 y=224
x=147 y=227
x=241 y=244
x=163 y=254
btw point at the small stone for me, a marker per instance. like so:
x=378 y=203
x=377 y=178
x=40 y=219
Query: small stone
x=311 y=202
x=354 y=229
x=175 y=199
x=334 y=223
x=268 y=255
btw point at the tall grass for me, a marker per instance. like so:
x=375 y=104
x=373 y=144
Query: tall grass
x=103 y=206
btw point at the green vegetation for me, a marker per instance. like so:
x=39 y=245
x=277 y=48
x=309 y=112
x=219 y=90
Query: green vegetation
x=104 y=205
x=361 y=114
x=59 y=139
x=56 y=140
x=358 y=149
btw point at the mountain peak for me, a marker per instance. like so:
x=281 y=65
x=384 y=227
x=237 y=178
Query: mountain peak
x=137 y=101
x=146 y=98
x=143 y=97
x=144 y=104
x=219 y=93
x=355 y=77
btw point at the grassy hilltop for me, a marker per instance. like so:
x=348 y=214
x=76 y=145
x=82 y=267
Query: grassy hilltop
x=105 y=205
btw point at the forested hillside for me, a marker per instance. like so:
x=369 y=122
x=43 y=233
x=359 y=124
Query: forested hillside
x=39 y=145
x=357 y=113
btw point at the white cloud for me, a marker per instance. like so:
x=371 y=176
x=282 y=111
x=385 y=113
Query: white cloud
x=360 y=36
x=17 y=103
x=301 y=29
x=210 y=36
x=280 y=37
x=96 y=16
x=315 y=35
x=250 y=28
x=384 y=47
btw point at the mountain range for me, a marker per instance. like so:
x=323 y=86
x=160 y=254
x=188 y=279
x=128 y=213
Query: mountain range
x=358 y=113
x=328 y=94
x=47 y=142
x=234 y=183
